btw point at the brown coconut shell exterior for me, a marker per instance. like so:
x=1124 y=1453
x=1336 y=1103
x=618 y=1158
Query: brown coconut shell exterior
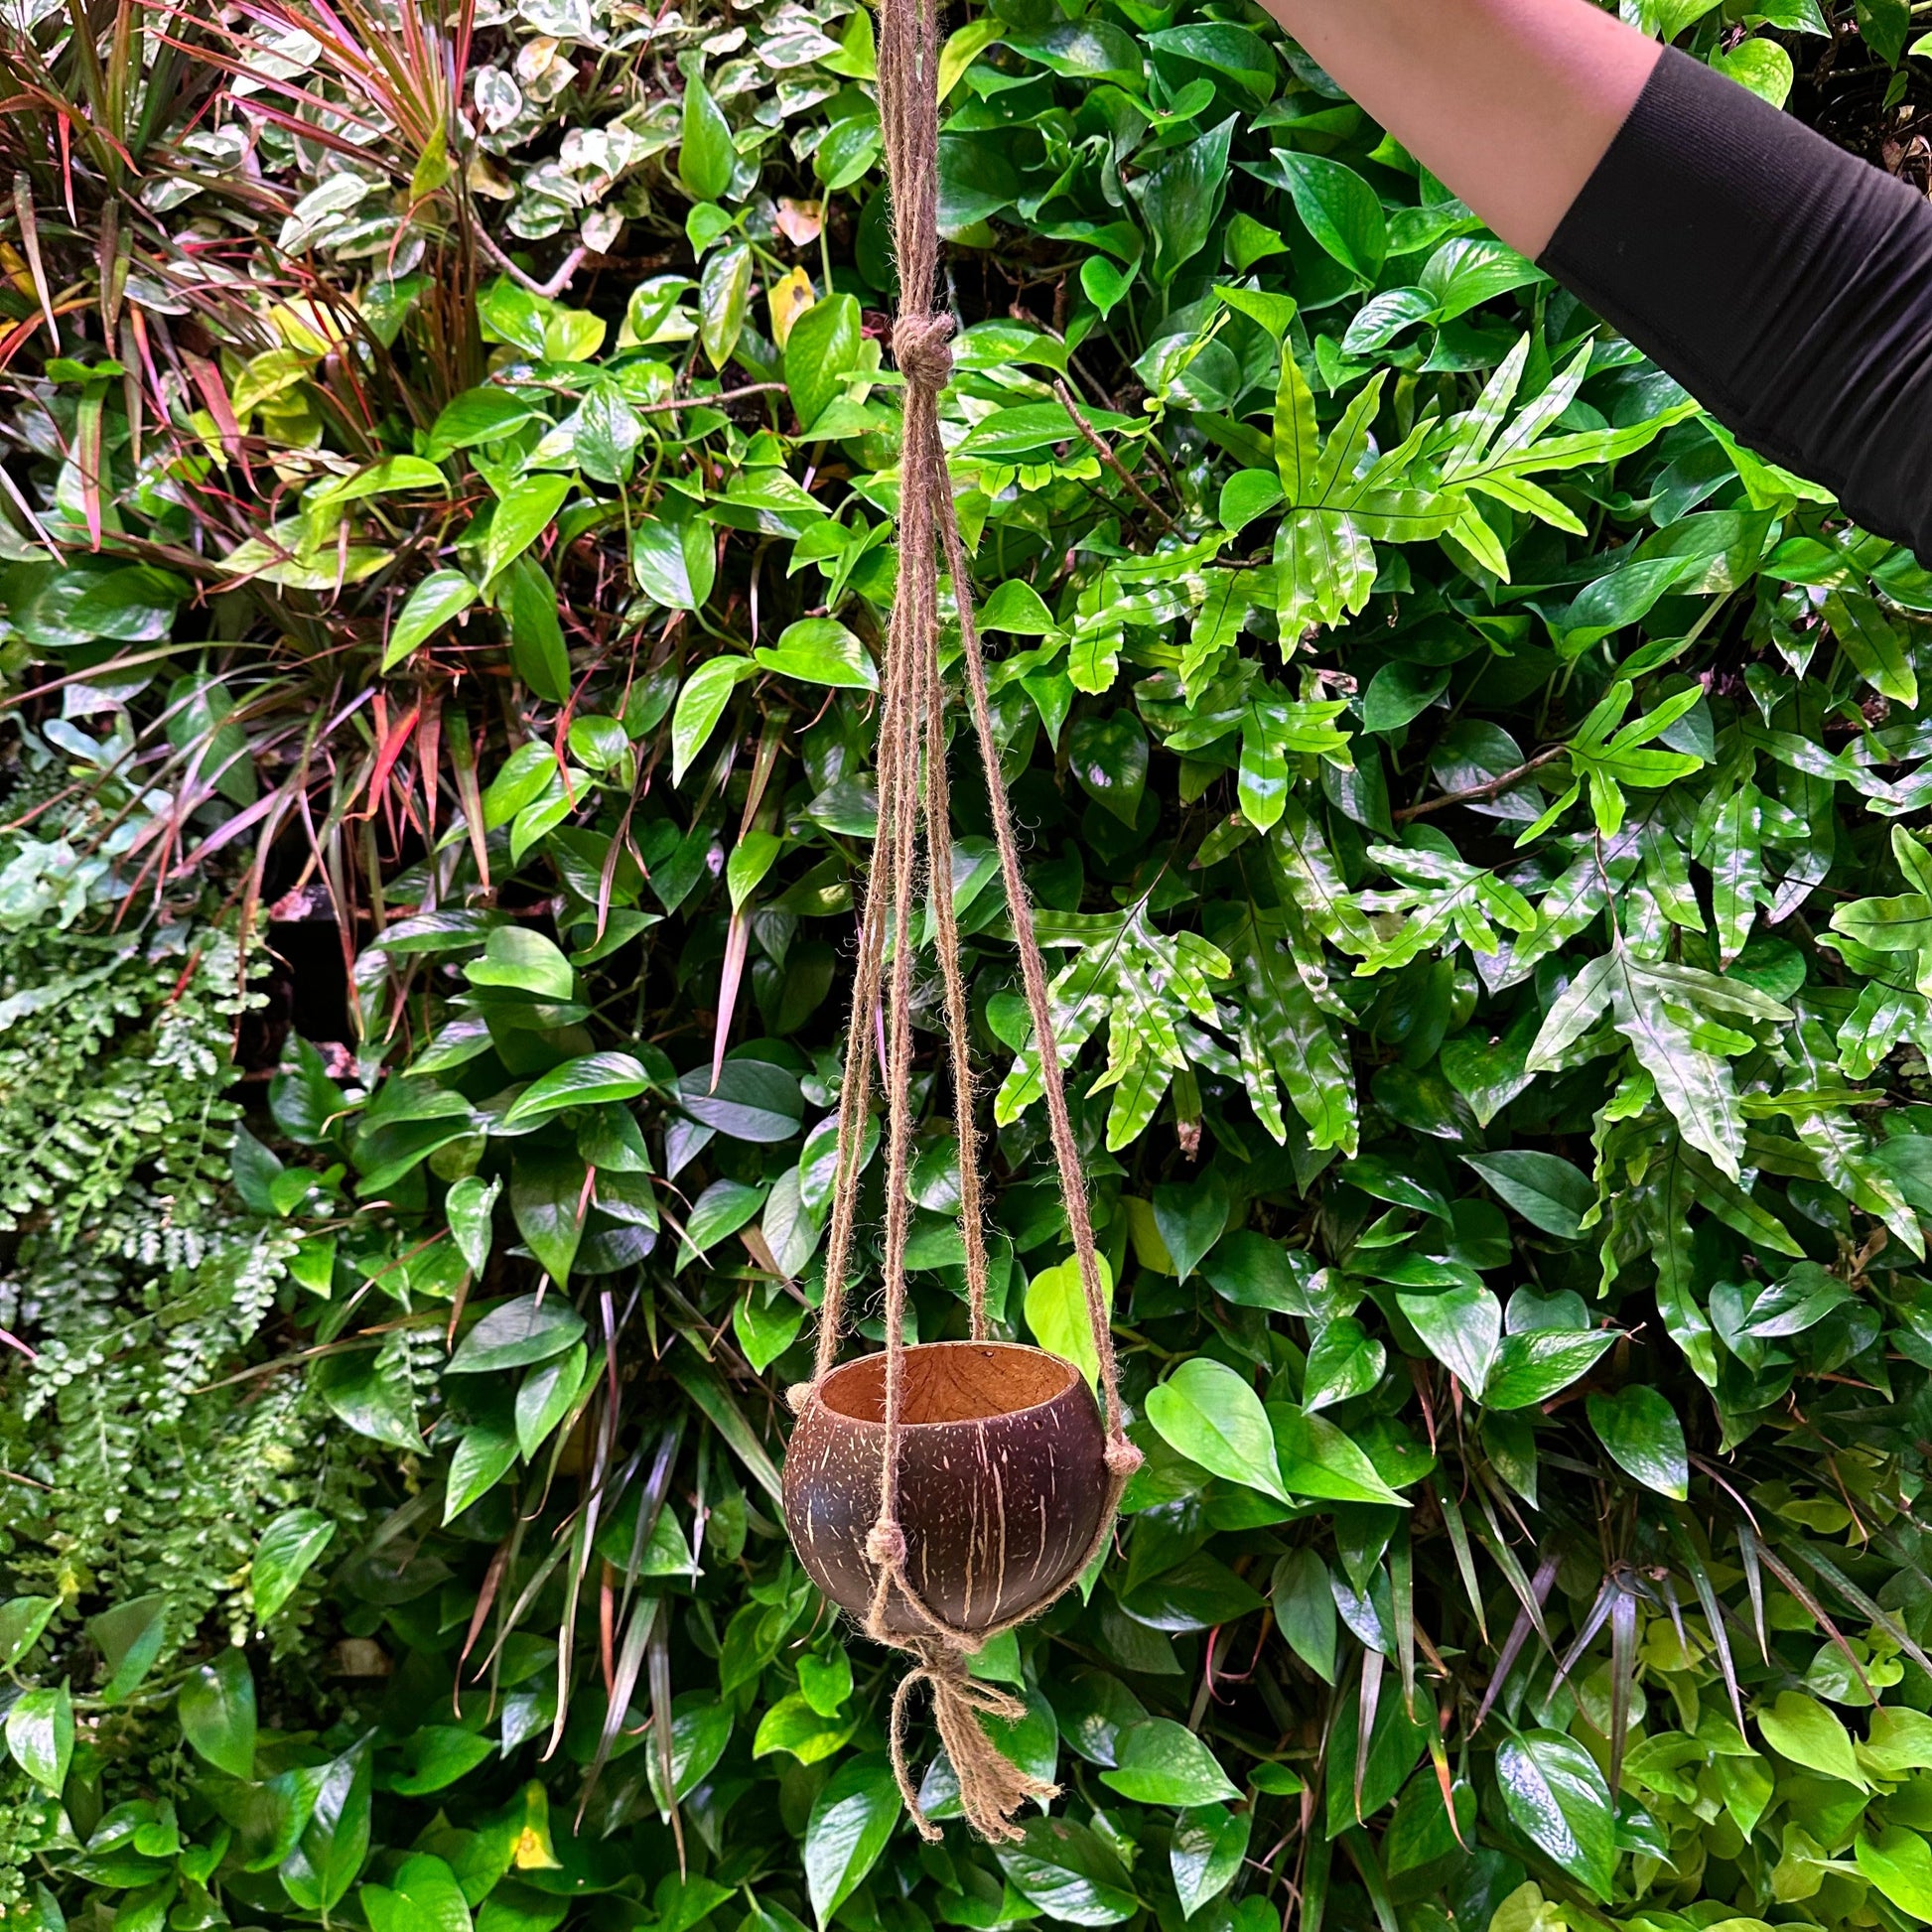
x=1003 y=1481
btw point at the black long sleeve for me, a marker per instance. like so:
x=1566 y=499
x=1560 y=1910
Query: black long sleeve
x=1785 y=283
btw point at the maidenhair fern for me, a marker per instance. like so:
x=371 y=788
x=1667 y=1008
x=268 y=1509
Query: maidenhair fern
x=150 y=1426
x=113 y=1060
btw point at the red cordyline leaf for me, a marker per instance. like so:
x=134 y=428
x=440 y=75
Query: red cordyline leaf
x=17 y=337
x=390 y=741
x=308 y=130
x=410 y=70
x=66 y=162
x=215 y=392
x=429 y=754
x=272 y=802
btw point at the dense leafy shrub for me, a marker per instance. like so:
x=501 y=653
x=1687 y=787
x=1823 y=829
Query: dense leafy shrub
x=1471 y=803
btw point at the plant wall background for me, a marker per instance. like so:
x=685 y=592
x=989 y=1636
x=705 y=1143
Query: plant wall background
x=1473 y=805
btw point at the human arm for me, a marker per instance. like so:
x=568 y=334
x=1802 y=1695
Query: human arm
x=1783 y=282
x=1512 y=103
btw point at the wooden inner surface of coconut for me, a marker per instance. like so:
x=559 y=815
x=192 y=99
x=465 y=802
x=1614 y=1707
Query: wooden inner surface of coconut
x=950 y=1382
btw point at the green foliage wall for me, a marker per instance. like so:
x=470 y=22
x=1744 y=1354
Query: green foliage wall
x=1472 y=809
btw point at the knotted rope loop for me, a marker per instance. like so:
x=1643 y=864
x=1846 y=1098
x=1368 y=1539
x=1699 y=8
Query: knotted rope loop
x=922 y=348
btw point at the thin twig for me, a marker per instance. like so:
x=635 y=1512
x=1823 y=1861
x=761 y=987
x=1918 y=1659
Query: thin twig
x=705 y=402
x=1488 y=790
x=1071 y=403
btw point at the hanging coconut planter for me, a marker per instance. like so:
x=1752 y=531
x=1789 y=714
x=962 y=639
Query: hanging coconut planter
x=942 y=1493
x=1002 y=1484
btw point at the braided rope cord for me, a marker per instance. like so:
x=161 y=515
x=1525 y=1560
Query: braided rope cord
x=914 y=800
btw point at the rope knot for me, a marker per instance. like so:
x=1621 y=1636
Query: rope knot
x=922 y=346
x=886 y=1545
x=798 y=1395
x=1122 y=1458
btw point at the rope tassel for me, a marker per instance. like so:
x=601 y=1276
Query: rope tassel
x=992 y=1787
x=914 y=813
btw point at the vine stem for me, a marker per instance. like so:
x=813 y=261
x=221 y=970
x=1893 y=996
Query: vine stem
x=1071 y=403
x=1490 y=790
x=706 y=402
x=549 y=290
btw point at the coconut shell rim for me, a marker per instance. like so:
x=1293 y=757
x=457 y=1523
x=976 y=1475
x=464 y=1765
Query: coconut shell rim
x=839 y=1415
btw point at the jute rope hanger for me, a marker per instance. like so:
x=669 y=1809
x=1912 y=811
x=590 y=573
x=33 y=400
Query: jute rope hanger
x=913 y=799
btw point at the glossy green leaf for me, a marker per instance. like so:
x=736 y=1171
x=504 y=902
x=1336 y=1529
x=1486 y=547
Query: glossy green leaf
x=424 y=1897
x=1543 y=1188
x=440 y=597
x=1180 y=199
x=588 y=1081
x=1315 y=1459
x=484 y=1455
x=519 y=518
x=700 y=705
x=216 y=1707
x=548 y=1203
x=1162 y=1762
x=1345 y=1362
x=1068 y=1872
x=1209 y=1414
x=129 y=1638
x=1206 y=1854
x=851 y=1822
x=674 y=561
x=701 y=1732
x=723 y=1208
x=1337 y=206
x=1643 y=1434
x=1462 y=1327
x=434 y=1757
x=820 y=353
x=817 y=650
x=471 y=1203
x=1801 y=1729
x=1192 y=1218
x=21 y=1620
x=1900 y=1863
x=706 y=156
x=750 y=1100
x=1109 y=756
x=1304 y=1608
x=546 y=1395
x=537 y=646
x=286 y=1551
x=1253 y=1272
x=520 y=960
x=794 y=1726
x=724 y=289
x=1530 y=1368
x=530 y=1328
x=40 y=1736
x=1559 y=1800
x=1056 y=1313
x=335 y=1840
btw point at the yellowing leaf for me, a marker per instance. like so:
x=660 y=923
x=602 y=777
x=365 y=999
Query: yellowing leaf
x=788 y=299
